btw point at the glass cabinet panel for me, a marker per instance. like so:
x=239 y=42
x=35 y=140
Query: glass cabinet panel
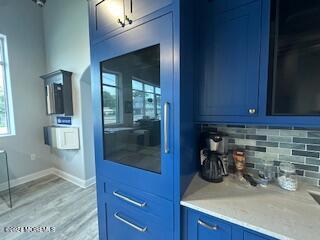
x=131 y=100
x=295 y=58
x=5 y=194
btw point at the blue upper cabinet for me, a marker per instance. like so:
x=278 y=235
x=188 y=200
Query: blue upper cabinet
x=253 y=66
x=136 y=9
x=228 y=51
x=225 y=5
x=111 y=17
x=106 y=16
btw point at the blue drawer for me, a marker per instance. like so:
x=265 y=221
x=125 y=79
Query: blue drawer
x=247 y=235
x=204 y=227
x=130 y=224
x=152 y=206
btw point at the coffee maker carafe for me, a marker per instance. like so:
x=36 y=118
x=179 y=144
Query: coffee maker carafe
x=212 y=150
x=212 y=168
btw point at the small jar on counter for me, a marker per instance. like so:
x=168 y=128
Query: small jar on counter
x=287 y=178
x=239 y=159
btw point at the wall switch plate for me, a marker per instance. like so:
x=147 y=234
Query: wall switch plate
x=33 y=157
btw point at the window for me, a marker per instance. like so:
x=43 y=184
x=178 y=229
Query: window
x=6 y=114
x=111 y=93
x=146 y=101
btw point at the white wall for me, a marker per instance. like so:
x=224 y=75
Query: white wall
x=21 y=21
x=67 y=47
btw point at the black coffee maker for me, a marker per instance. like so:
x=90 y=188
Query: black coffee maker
x=212 y=168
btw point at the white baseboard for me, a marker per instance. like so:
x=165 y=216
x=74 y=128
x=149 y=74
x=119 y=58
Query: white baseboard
x=90 y=182
x=34 y=176
x=25 y=179
x=73 y=179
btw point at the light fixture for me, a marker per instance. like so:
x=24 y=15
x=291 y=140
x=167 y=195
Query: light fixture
x=40 y=3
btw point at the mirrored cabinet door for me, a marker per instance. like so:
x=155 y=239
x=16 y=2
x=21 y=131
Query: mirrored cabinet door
x=131 y=101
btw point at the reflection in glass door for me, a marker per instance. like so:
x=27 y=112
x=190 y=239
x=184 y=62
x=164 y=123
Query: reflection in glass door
x=132 y=109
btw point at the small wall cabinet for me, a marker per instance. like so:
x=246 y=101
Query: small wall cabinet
x=108 y=17
x=58 y=89
x=62 y=138
x=200 y=226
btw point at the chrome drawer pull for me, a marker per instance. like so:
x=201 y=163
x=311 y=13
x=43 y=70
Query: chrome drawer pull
x=210 y=227
x=140 y=229
x=129 y=200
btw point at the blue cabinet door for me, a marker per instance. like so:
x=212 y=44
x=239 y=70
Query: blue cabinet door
x=203 y=227
x=228 y=60
x=129 y=224
x=132 y=80
x=106 y=16
x=225 y=5
x=255 y=236
x=136 y=9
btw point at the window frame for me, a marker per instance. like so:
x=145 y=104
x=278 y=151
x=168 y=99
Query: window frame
x=4 y=63
x=143 y=91
x=118 y=87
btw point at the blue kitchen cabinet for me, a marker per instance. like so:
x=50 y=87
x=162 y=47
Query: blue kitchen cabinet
x=111 y=17
x=125 y=224
x=133 y=102
x=106 y=16
x=203 y=227
x=136 y=9
x=134 y=214
x=228 y=60
x=254 y=236
x=225 y=5
x=200 y=226
x=133 y=98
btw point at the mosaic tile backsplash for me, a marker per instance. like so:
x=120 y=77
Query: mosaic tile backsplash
x=300 y=146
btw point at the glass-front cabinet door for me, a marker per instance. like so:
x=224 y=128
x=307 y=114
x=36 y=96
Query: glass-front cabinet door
x=294 y=58
x=131 y=97
x=133 y=81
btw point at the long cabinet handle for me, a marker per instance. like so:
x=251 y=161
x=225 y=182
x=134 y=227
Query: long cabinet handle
x=206 y=225
x=140 y=229
x=129 y=200
x=166 y=109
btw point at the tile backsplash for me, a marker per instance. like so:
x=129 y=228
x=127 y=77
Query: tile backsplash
x=300 y=146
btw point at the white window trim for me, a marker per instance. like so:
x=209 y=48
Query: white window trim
x=8 y=89
x=119 y=100
x=144 y=92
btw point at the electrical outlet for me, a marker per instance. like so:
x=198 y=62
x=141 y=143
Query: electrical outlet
x=33 y=156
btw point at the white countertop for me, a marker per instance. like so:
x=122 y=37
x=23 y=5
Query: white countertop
x=272 y=211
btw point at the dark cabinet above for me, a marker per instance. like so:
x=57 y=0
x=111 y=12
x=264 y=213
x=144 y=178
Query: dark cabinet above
x=58 y=89
x=111 y=17
x=294 y=87
x=135 y=9
x=219 y=6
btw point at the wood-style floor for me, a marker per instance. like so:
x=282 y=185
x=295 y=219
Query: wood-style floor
x=51 y=202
